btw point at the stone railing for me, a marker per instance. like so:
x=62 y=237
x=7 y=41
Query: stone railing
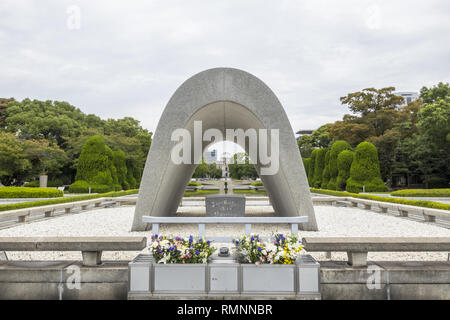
x=202 y=221
x=358 y=247
x=49 y=210
x=90 y=247
x=429 y=214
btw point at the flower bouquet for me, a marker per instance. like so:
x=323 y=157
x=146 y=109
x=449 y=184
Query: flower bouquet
x=180 y=250
x=282 y=250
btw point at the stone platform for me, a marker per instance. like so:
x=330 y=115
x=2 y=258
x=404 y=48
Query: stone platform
x=398 y=280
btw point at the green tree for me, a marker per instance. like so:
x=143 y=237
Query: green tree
x=371 y=100
x=14 y=165
x=365 y=170
x=240 y=167
x=319 y=138
x=45 y=157
x=431 y=147
x=3 y=104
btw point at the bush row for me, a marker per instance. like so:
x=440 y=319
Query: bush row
x=23 y=192
x=22 y=205
x=422 y=193
x=199 y=193
x=419 y=203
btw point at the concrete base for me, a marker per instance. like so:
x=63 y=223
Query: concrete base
x=403 y=213
x=56 y=280
x=92 y=258
x=357 y=259
x=429 y=218
x=386 y=280
x=393 y=280
x=222 y=296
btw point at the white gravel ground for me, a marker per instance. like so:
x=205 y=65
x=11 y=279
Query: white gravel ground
x=332 y=221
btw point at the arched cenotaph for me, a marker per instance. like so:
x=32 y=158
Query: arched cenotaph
x=222 y=98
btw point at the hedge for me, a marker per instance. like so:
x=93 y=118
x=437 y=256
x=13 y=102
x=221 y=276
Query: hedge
x=422 y=193
x=257 y=184
x=365 y=170
x=335 y=150
x=419 y=203
x=24 y=192
x=14 y=206
x=250 y=192
x=199 y=193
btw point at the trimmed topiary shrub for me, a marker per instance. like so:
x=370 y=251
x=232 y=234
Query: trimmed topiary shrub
x=95 y=163
x=318 y=167
x=335 y=150
x=24 y=192
x=326 y=171
x=312 y=164
x=365 y=170
x=345 y=159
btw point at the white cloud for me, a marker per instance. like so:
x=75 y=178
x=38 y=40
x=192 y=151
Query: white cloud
x=128 y=58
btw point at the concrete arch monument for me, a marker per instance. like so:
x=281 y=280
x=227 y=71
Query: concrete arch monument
x=222 y=98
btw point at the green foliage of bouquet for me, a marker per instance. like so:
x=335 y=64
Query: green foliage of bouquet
x=179 y=250
x=283 y=249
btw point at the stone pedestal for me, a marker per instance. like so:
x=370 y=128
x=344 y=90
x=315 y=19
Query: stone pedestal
x=43 y=181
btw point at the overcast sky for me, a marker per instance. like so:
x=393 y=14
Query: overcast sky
x=126 y=58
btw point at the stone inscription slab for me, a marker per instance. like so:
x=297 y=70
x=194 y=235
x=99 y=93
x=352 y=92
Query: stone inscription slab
x=225 y=205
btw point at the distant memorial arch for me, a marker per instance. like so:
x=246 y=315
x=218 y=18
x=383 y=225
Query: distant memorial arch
x=222 y=98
